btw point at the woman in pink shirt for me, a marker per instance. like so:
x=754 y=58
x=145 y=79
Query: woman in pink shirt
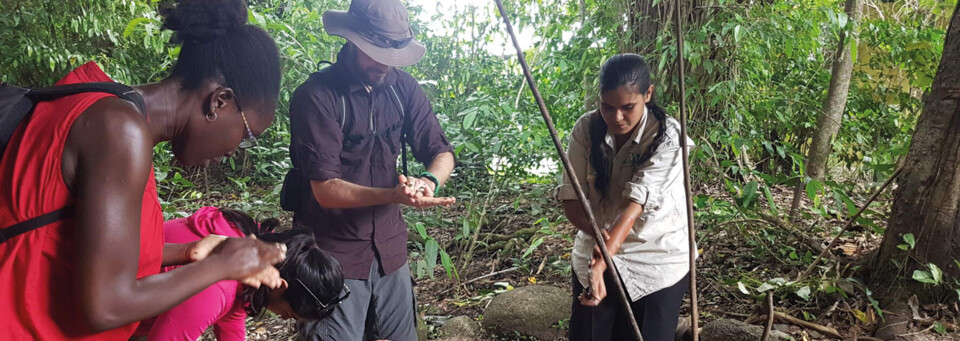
x=311 y=288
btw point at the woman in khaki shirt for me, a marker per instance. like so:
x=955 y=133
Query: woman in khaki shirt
x=630 y=165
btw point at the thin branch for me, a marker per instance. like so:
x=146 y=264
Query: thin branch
x=464 y=284
x=786 y=226
x=850 y=222
x=950 y=326
x=769 y=326
x=829 y=331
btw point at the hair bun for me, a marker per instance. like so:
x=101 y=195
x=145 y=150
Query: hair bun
x=202 y=20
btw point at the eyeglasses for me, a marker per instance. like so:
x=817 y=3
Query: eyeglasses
x=248 y=139
x=326 y=308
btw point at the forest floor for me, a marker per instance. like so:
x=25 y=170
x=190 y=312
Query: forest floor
x=741 y=257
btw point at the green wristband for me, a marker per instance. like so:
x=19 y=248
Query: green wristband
x=431 y=177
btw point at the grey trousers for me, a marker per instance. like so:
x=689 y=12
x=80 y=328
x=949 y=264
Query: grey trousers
x=382 y=307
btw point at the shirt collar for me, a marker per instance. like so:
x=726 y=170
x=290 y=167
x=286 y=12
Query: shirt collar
x=637 y=133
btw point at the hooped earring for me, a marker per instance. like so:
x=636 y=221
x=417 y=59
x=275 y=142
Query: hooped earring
x=212 y=116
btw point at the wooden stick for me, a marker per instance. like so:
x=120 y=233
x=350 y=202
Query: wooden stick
x=948 y=325
x=829 y=331
x=491 y=275
x=728 y=313
x=787 y=226
x=568 y=170
x=464 y=284
x=851 y=221
x=691 y=232
x=769 y=326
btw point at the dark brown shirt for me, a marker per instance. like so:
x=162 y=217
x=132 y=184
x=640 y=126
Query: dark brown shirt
x=364 y=152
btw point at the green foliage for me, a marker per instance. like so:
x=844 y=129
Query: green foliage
x=427 y=253
x=934 y=276
x=910 y=241
x=757 y=74
x=41 y=40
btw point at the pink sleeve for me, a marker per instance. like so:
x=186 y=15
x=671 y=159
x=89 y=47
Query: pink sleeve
x=188 y=320
x=232 y=326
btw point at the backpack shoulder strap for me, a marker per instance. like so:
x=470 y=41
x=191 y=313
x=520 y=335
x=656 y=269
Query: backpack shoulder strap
x=52 y=93
x=35 y=223
x=403 y=112
x=116 y=89
x=403 y=129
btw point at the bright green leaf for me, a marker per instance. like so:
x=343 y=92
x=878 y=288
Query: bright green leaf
x=923 y=277
x=749 y=193
x=430 y=252
x=132 y=26
x=469 y=119
x=533 y=246
x=908 y=238
x=935 y=273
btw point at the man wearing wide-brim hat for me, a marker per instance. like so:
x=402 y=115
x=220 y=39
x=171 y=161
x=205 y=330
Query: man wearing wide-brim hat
x=350 y=123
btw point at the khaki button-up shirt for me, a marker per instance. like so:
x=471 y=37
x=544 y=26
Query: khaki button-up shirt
x=655 y=255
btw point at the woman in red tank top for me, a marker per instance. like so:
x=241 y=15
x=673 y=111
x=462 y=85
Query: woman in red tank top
x=94 y=275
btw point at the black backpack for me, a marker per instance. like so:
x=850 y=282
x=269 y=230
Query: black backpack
x=16 y=104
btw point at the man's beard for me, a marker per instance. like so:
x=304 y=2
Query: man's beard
x=374 y=77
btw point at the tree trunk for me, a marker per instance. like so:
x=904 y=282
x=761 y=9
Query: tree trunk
x=828 y=123
x=927 y=200
x=645 y=20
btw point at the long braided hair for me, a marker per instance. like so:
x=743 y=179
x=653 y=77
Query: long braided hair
x=631 y=70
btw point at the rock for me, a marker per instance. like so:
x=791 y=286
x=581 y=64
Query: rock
x=532 y=311
x=684 y=329
x=731 y=330
x=422 y=329
x=462 y=326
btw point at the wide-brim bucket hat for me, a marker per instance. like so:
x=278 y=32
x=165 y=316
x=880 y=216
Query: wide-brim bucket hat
x=379 y=28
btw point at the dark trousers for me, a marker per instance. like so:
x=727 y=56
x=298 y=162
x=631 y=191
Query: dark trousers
x=656 y=314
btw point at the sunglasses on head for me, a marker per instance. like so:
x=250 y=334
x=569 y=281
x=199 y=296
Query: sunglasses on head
x=385 y=42
x=378 y=39
x=329 y=306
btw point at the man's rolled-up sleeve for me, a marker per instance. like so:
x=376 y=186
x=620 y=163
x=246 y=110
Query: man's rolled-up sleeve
x=315 y=136
x=425 y=136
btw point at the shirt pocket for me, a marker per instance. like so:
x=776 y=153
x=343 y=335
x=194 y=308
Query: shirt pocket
x=356 y=150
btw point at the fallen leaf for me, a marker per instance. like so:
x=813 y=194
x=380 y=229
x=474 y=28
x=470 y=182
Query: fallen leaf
x=850 y=249
x=914 y=304
x=860 y=316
